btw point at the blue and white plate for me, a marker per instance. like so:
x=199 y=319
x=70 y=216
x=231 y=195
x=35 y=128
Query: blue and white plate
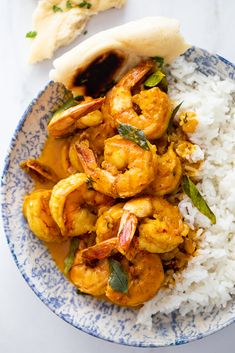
x=96 y=317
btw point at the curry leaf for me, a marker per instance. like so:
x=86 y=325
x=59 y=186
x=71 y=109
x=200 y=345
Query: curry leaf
x=163 y=85
x=56 y=8
x=191 y=190
x=68 y=262
x=118 y=278
x=175 y=110
x=68 y=104
x=135 y=135
x=154 y=79
x=173 y=114
x=85 y=4
x=159 y=60
x=69 y=4
x=31 y=34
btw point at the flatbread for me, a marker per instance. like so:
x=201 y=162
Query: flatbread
x=131 y=42
x=58 y=28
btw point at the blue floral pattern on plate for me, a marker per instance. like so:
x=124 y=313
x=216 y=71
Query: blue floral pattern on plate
x=96 y=317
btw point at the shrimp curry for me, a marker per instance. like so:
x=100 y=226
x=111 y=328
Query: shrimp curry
x=108 y=184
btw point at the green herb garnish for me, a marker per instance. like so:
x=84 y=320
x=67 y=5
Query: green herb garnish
x=154 y=79
x=85 y=4
x=118 y=278
x=135 y=135
x=158 y=78
x=68 y=104
x=56 y=8
x=173 y=114
x=163 y=85
x=191 y=190
x=31 y=34
x=68 y=262
x=175 y=110
x=159 y=60
x=69 y=4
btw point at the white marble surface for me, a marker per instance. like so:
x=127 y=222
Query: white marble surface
x=26 y=325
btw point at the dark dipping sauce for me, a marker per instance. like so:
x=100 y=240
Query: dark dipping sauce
x=99 y=73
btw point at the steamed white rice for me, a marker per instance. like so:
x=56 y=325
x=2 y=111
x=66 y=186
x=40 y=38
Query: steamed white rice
x=209 y=279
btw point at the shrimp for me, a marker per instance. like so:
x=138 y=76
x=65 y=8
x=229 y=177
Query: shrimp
x=149 y=110
x=37 y=212
x=145 y=277
x=102 y=250
x=119 y=98
x=39 y=171
x=74 y=206
x=169 y=174
x=90 y=278
x=140 y=266
x=77 y=117
x=108 y=223
x=160 y=225
x=67 y=163
x=96 y=137
x=132 y=211
x=127 y=168
x=73 y=156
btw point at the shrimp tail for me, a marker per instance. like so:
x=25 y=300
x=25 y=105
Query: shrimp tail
x=86 y=156
x=126 y=230
x=100 y=251
x=39 y=171
x=137 y=74
x=64 y=123
x=89 y=164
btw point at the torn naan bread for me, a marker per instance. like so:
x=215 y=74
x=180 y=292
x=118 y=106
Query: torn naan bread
x=59 y=22
x=106 y=56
